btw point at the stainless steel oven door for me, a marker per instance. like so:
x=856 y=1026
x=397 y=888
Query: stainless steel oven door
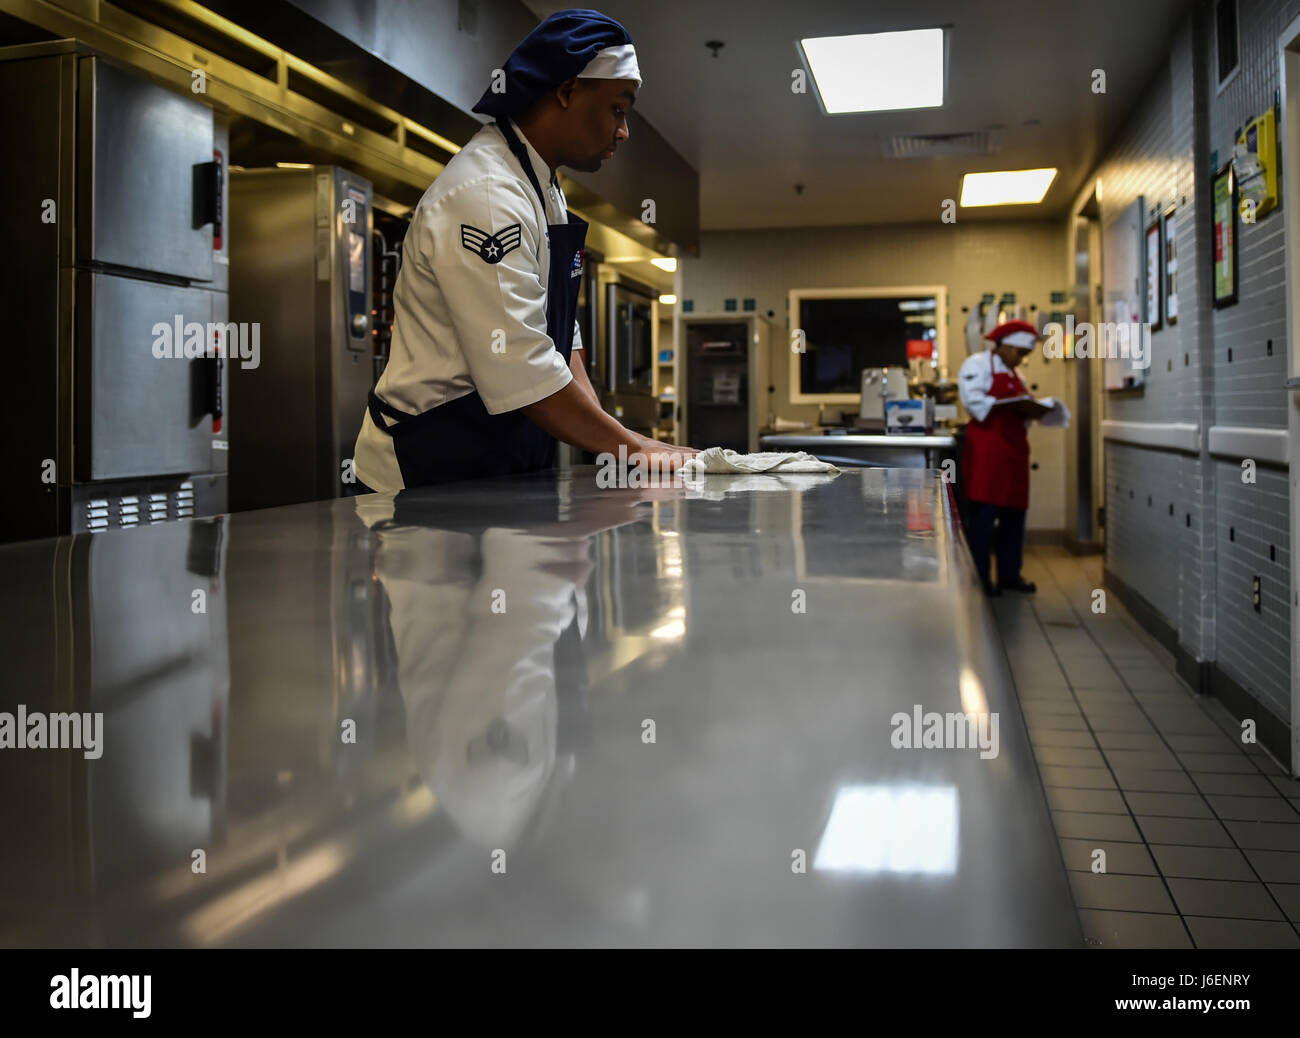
x=142 y=193
x=143 y=408
x=630 y=314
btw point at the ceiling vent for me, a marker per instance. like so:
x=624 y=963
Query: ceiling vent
x=940 y=145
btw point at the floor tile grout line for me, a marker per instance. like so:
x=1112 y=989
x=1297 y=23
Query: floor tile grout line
x=1158 y=843
x=1192 y=915
x=1240 y=850
x=1033 y=609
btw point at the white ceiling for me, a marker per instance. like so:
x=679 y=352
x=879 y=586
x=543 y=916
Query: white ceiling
x=1021 y=68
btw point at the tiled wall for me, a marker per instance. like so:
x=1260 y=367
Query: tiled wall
x=1146 y=522
x=1152 y=158
x=1196 y=566
x=1254 y=648
x=970 y=258
x=1248 y=389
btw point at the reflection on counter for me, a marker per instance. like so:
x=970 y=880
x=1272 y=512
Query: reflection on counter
x=526 y=711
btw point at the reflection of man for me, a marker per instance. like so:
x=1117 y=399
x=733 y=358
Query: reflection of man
x=995 y=460
x=488 y=612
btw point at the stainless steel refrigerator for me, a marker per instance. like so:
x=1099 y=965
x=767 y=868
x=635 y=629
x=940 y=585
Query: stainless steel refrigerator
x=301 y=271
x=629 y=355
x=115 y=257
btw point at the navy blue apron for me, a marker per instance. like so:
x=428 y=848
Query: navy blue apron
x=459 y=439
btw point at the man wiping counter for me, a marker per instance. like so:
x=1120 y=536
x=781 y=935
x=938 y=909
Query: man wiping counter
x=485 y=370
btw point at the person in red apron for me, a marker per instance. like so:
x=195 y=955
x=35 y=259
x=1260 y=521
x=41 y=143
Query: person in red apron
x=995 y=458
x=485 y=370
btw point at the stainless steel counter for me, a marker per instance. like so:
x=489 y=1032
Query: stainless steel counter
x=523 y=712
x=867 y=449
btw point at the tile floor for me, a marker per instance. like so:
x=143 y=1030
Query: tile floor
x=1201 y=834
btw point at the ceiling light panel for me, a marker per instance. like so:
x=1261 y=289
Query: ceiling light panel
x=1007 y=187
x=877 y=72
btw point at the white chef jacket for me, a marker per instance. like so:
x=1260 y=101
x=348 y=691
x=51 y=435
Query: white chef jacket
x=975 y=380
x=452 y=306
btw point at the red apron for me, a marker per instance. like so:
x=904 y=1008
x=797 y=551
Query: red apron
x=996 y=456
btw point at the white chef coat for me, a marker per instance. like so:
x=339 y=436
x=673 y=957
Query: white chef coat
x=452 y=305
x=975 y=380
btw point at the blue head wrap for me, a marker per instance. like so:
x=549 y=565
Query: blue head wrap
x=560 y=48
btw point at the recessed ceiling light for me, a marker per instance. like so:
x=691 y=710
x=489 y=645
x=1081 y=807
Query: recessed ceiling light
x=668 y=299
x=1008 y=187
x=667 y=263
x=877 y=72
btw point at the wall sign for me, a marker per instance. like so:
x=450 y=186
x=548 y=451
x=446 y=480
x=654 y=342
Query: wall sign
x=1155 y=276
x=1223 y=209
x=1123 y=291
x=1171 y=266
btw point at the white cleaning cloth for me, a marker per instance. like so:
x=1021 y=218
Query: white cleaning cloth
x=718 y=460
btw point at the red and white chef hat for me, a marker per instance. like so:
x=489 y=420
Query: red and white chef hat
x=1020 y=334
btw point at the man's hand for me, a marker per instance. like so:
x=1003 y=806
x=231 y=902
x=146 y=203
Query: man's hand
x=668 y=457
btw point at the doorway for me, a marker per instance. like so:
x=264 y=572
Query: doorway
x=1084 y=450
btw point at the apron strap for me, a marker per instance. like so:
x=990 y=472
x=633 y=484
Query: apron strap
x=379 y=410
x=521 y=153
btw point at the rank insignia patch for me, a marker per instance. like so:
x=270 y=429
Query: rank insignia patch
x=490 y=247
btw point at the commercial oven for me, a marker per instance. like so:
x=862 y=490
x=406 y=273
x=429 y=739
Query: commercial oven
x=117 y=273
x=628 y=355
x=301 y=265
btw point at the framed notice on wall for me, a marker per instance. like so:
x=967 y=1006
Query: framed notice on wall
x=1123 y=291
x=1171 y=266
x=1223 y=211
x=1155 y=278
